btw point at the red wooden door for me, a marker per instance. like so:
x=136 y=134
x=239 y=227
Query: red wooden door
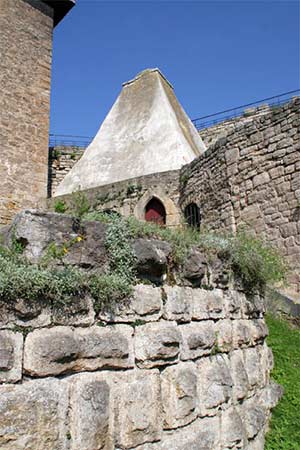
x=155 y=212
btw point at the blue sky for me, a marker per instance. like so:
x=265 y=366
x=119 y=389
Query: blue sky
x=217 y=55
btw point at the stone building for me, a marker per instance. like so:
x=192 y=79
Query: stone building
x=147 y=159
x=249 y=174
x=26 y=28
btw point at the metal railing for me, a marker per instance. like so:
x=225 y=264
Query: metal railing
x=229 y=114
x=200 y=123
x=56 y=140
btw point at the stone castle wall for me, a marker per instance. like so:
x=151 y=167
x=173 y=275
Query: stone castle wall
x=251 y=176
x=25 y=65
x=213 y=132
x=176 y=368
x=130 y=197
x=61 y=160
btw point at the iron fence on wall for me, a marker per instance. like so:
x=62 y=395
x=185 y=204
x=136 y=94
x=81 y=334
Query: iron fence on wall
x=200 y=123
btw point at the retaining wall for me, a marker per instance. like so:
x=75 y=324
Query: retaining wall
x=175 y=368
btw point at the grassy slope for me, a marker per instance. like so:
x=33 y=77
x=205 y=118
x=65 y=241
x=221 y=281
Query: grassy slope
x=285 y=425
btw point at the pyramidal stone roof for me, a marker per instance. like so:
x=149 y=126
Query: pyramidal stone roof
x=145 y=132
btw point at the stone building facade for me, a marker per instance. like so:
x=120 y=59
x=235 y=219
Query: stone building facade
x=26 y=28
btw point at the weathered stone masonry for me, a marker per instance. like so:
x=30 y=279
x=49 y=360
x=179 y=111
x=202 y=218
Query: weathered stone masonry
x=177 y=368
x=25 y=67
x=252 y=176
x=173 y=368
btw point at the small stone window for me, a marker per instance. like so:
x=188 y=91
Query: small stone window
x=155 y=212
x=192 y=215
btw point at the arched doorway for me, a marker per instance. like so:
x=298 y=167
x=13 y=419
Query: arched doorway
x=155 y=212
x=192 y=215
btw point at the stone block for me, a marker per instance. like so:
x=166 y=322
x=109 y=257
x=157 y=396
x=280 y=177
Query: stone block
x=259 y=331
x=224 y=336
x=276 y=172
x=203 y=434
x=138 y=412
x=62 y=350
x=50 y=351
x=90 y=412
x=253 y=366
x=198 y=338
x=145 y=304
x=214 y=384
x=233 y=304
x=271 y=395
x=78 y=312
x=105 y=347
x=157 y=344
x=207 y=304
x=232 y=430
x=178 y=303
x=24 y=313
x=258 y=443
x=241 y=330
x=254 y=417
x=151 y=258
x=33 y=415
x=11 y=356
x=232 y=155
x=260 y=179
x=253 y=307
x=179 y=395
x=239 y=375
x=195 y=267
x=147 y=301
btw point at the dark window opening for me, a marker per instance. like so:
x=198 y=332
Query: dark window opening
x=155 y=212
x=192 y=215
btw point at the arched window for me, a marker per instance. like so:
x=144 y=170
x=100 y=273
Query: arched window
x=155 y=212
x=192 y=215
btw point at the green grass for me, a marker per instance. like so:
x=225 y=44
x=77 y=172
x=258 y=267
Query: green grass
x=284 y=431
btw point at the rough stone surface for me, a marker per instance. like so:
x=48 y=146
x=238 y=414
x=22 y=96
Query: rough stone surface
x=157 y=344
x=37 y=231
x=208 y=304
x=195 y=267
x=250 y=176
x=138 y=410
x=179 y=395
x=11 y=355
x=197 y=339
x=145 y=305
x=25 y=69
x=214 y=385
x=173 y=368
x=62 y=349
x=33 y=415
x=177 y=304
x=151 y=258
x=90 y=413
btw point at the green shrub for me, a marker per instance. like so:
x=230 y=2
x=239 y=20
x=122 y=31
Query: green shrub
x=60 y=206
x=257 y=263
x=80 y=204
x=254 y=261
x=108 y=290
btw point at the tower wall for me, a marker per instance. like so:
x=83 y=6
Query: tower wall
x=25 y=68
